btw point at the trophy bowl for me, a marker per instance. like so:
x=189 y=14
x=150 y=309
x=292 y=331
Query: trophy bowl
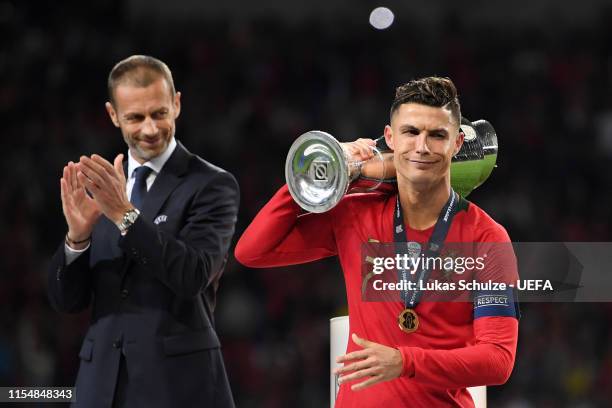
x=474 y=163
x=317 y=171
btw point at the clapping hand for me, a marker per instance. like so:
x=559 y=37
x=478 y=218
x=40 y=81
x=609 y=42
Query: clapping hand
x=80 y=210
x=106 y=182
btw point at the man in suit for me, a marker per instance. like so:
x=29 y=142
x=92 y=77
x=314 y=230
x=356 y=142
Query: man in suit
x=147 y=245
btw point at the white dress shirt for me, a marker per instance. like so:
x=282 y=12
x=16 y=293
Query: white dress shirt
x=156 y=164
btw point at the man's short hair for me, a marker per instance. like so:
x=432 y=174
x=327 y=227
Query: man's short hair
x=431 y=91
x=140 y=71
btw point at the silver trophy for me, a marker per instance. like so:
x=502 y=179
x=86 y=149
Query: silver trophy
x=319 y=172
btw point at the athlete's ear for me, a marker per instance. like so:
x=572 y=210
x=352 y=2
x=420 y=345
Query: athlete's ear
x=459 y=142
x=389 y=137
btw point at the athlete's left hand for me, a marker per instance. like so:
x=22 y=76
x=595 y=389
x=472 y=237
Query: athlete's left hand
x=377 y=362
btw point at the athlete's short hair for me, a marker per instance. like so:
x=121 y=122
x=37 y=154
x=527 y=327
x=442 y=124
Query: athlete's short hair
x=431 y=91
x=140 y=71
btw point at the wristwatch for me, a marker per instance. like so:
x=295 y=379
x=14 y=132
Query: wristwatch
x=129 y=218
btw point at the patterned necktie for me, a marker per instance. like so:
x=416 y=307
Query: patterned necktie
x=139 y=191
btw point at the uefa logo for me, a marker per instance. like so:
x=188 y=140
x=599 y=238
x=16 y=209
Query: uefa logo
x=319 y=170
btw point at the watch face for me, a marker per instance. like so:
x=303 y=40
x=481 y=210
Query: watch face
x=132 y=215
x=128 y=219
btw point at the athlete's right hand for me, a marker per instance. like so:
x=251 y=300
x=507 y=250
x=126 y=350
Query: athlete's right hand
x=80 y=210
x=360 y=149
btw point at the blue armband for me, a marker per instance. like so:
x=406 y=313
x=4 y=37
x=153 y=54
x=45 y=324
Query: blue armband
x=496 y=303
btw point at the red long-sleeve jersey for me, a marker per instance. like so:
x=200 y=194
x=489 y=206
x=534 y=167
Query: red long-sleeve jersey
x=450 y=351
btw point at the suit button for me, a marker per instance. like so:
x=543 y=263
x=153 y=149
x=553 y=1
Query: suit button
x=124 y=293
x=144 y=261
x=134 y=251
x=117 y=344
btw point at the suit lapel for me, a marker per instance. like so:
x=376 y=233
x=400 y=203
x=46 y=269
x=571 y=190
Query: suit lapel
x=166 y=181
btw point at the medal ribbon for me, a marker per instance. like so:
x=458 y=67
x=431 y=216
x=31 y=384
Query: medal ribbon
x=432 y=250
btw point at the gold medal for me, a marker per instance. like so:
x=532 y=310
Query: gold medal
x=408 y=321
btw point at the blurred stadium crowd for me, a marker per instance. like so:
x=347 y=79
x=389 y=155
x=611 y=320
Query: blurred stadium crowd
x=250 y=87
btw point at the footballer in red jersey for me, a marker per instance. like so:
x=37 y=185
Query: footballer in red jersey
x=457 y=344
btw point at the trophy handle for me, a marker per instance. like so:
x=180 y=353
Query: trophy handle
x=380 y=180
x=361 y=183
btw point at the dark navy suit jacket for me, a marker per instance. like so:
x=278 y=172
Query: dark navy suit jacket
x=153 y=292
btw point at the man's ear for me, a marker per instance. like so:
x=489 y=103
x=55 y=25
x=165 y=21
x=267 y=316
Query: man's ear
x=112 y=113
x=177 y=105
x=459 y=142
x=389 y=137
